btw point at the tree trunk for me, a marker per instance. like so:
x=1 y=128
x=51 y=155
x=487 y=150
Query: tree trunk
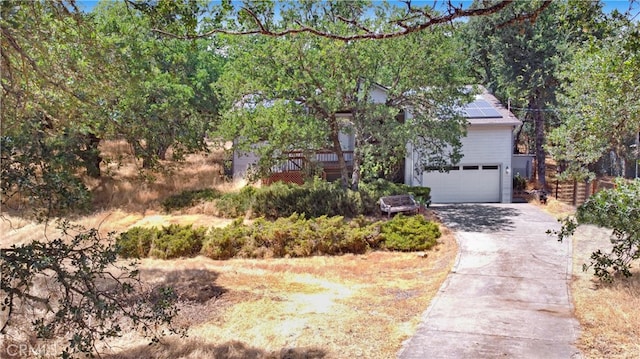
x=162 y=151
x=91 y=155
x=538 y=122
x=337 y=148
x=355 y=176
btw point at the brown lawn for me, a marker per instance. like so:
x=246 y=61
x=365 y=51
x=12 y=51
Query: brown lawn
x=609 y=314
x=361 y=306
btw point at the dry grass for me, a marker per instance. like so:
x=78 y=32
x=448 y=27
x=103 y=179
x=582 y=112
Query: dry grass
x=320 y=307
x=609 y=314
x=126 y=186
x=126 y=196
x=361 y=306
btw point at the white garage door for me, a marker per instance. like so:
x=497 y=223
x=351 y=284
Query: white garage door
x=466 y=183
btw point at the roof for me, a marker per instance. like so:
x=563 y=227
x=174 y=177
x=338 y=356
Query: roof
x=487 y=110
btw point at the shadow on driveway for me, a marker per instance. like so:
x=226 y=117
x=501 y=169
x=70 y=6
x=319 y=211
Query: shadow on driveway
x=477 y=217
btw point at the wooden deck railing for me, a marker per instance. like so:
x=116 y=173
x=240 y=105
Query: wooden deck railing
x=297 y=161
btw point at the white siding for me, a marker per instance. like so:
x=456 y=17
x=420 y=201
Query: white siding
x=347 y=141
x=242 y=162
x=483 y=146
x=378 y=94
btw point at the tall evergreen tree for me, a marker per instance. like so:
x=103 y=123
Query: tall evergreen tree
x=520 y=61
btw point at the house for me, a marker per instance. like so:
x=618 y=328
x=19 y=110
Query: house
x=290 y=169
x=483 y=175
x=485 y=172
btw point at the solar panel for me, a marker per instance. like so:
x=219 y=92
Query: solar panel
x=474 y=113
x=480 y=109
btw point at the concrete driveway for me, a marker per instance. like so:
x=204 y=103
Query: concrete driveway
x=507 y=295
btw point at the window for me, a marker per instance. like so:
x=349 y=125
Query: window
x=470 y=168
x=493 y=167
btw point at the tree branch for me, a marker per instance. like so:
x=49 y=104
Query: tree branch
x=531 y=16
x=423 y=20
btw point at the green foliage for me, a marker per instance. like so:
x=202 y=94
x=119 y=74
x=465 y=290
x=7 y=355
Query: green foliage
x=372 y=191
x=619 y=210
x=51 y=72
x=189 y=198
x=606 y=71
x=293 y=236
x=519 y=183
x=226 y=243
x=314 y=198
x=177 y=241
x=235 y=204
x=410 y=233
x=284 y=92
x=83 y=289
x=168 y=242
x=136 y=242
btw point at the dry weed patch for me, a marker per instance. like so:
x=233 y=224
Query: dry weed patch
x=317 y=307
x=609 y=314
x=347 y=306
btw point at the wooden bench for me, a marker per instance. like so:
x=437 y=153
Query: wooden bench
x=398 y=203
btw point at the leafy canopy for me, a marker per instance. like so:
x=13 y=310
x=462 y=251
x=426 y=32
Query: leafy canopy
x=300 y=92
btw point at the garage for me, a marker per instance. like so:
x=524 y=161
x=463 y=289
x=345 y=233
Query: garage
x=465 y=183
x=484 y=173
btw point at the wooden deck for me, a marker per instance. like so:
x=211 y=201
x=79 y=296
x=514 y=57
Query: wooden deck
x=295 y=163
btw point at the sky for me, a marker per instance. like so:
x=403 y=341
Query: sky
x=609 y=5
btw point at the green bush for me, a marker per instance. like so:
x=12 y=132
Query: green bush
x=189 y=198
x=372 y=191
x=235 y=204
x=178 y=241
x=136 y=242
x=314 y=198
x=169 y=242
x=293 y=236
x=225 y=243
x=519 y=183
x=413 y=233
x=619 y=210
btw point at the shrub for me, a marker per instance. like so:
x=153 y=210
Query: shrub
x=178 y=241
x=169 y=242
x=519 y=183
x=410 y=233
x=136 y=242
x=422 y=195
x=293 y=236
x=233 y=205
x=225 y=243
x=314 y=198
x=372 y=191
x=189 y=198
x=618 y=209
